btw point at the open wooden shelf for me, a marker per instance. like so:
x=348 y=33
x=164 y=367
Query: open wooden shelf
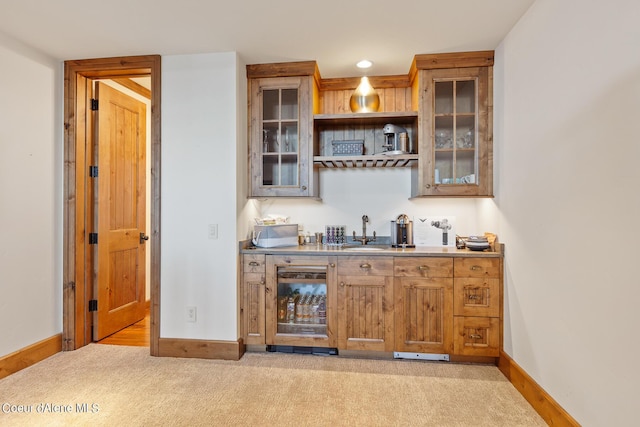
x=366 y=118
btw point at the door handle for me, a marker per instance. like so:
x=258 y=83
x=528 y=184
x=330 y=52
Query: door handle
x=143 y=238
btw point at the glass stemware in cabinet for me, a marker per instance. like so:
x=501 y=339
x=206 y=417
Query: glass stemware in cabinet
x=455 y=132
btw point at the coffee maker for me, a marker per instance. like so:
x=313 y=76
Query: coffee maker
x=396 y=140
x=402 y=232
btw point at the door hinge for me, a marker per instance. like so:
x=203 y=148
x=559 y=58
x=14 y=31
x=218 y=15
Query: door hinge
x=93 y=305
x=94 y=104
x=93 y=238
x=93 y=171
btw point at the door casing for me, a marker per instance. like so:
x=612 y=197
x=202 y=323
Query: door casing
x=76 y=328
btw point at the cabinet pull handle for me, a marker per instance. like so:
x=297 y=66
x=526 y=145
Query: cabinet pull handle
x=332 y=265
x=365 y=265
x=472 y=297
x=342 y=284
x=475 y=336
x=476 y=268
x=304 y=187
x=423 y=267
x=254 y=264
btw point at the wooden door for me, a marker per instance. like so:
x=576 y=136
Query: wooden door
x=121 y=214
x=253 y=308
x=424 y=314
x=365 y=313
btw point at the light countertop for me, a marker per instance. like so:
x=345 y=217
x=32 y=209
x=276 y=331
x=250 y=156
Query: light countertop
x=428 y=251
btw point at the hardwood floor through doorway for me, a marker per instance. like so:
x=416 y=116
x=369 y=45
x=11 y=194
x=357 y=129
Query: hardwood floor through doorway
x=135 y=335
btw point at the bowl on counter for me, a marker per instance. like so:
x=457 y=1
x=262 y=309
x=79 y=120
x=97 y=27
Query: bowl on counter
x=477 y=243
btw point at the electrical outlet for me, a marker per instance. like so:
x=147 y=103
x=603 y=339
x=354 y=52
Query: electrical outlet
x=213 y=231
x=191 y=314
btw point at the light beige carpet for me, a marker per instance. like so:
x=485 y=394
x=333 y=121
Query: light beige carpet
x=124 y=386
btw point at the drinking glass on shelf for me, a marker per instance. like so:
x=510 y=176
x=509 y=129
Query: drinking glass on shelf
x=443 y=138
x=265 y=140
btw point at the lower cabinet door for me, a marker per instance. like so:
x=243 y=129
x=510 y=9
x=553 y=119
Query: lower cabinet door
x=423 y=310
x=254 y=308
x=476 y=336
x=365 y=313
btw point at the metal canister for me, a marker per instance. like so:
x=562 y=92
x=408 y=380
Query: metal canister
x=403 y=142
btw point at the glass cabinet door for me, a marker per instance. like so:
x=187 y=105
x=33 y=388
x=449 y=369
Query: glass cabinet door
x=280 y=137
x=302 y=300
x=455 y=131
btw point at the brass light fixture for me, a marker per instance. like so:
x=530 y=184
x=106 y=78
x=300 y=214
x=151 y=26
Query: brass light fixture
x=364 y=99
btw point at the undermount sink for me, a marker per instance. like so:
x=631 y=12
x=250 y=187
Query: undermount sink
x=364 y=248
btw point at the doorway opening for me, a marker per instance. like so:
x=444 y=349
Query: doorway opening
x=79 y=295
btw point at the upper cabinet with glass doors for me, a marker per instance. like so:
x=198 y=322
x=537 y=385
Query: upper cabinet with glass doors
x=445 y=102
x=281 y=120
x=456 y=118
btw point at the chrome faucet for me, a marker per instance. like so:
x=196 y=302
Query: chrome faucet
x=364 y=239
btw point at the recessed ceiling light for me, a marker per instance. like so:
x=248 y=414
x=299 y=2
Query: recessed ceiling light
x=365 y=63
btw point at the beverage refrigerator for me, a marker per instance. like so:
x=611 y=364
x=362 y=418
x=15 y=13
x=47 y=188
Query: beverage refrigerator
x=301 y=314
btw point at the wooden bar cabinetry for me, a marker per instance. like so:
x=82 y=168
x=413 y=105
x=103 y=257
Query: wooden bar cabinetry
x=456 y=143
x=430 y=305
x=477 y=302
x=444 y=103
x=280 y=130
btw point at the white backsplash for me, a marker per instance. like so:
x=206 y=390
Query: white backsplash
x=381 y=194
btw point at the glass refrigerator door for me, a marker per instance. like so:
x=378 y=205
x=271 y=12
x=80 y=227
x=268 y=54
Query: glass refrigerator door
x=302 y=300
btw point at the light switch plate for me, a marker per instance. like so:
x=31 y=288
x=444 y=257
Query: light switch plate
x=213 y=231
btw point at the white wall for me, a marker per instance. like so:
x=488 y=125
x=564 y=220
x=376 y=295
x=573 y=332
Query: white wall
x=30 y=197
x=199 y=108
x=567 y=110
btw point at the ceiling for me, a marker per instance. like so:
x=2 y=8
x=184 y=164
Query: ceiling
x=335 y=33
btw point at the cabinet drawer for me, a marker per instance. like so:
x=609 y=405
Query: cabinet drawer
x=423 y=267
x=364 y=265
x=253 y=263
x=476 y=297
x=476 y=267
x=476 y=336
